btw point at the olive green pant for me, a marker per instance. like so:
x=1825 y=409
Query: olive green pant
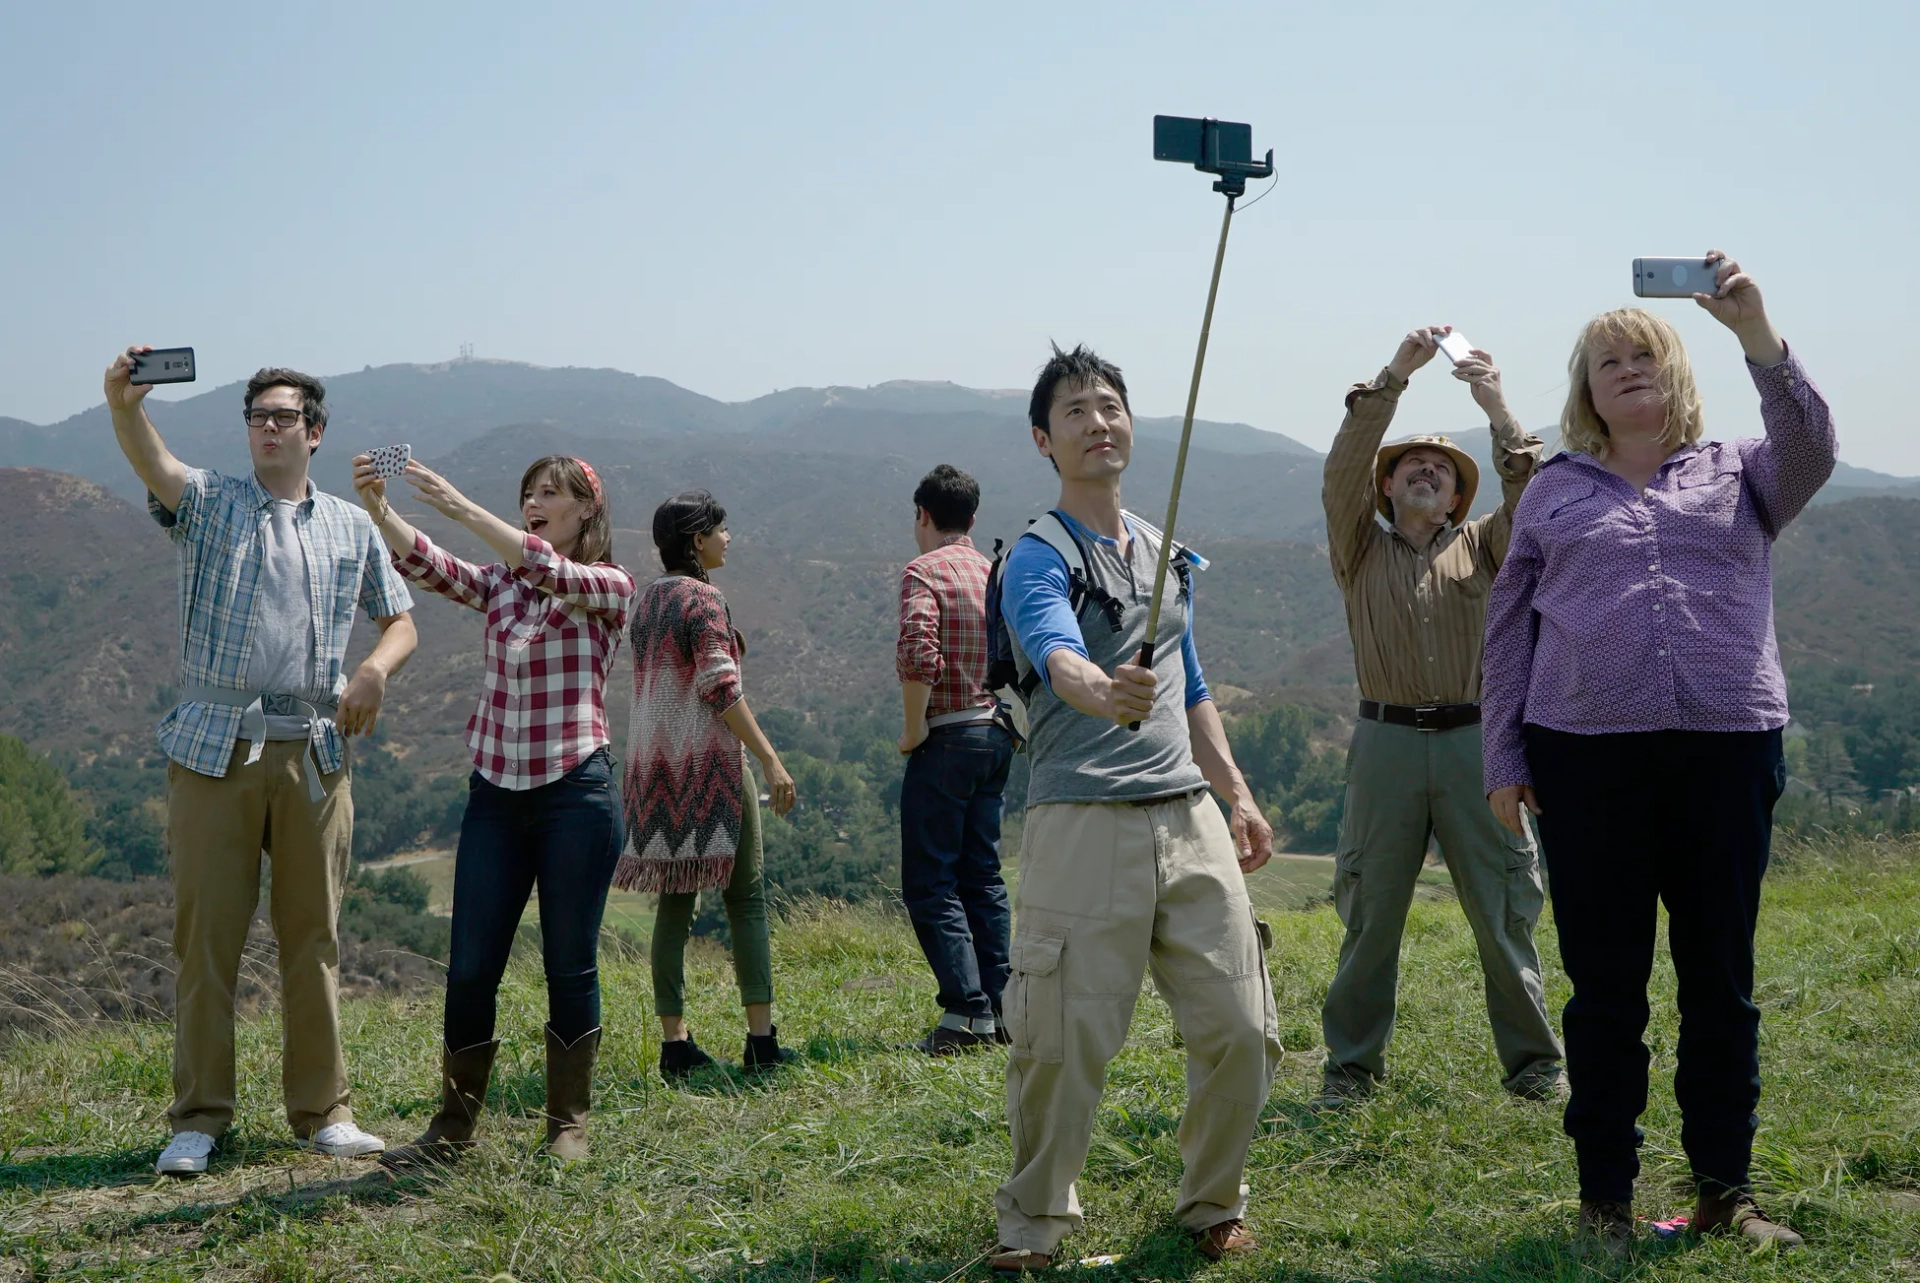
x=745 y=898
x=216 y=831
x=1404 y=786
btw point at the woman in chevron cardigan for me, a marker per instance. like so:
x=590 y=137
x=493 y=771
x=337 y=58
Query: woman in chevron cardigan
x=693 y=821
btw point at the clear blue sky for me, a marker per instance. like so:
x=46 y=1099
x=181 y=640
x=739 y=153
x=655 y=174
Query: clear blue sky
x=742 y=198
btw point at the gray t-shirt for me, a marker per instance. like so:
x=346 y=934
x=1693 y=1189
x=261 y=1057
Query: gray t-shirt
x=1078 y=758
x=282 y=659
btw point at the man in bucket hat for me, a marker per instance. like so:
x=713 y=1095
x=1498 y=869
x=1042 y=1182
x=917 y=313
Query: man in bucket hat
x=1416 y=594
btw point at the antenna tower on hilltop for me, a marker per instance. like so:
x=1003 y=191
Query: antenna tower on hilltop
x=466 y=351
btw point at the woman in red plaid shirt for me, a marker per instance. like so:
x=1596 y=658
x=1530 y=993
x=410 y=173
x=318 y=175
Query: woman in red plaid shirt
x=540 y=805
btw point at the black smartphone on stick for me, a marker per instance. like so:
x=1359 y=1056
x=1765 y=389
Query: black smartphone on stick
x=163 y=365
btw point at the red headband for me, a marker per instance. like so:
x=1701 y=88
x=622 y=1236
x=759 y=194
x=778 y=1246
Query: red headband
x=593 y=479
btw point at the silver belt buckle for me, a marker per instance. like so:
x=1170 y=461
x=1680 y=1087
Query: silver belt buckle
x=1421 y=715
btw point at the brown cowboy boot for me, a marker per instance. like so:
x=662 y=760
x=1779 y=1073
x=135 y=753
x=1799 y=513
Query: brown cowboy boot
x=569 y=1092
x=1735 y=1212
x=1607 y=1228
x=463 y=1093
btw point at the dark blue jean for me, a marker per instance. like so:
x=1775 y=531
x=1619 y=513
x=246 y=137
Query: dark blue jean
x=564 y=837
x=950 y=862
x=1628 y=822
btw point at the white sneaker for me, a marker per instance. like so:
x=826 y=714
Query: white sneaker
x=343 y=1140
x=185 y=1155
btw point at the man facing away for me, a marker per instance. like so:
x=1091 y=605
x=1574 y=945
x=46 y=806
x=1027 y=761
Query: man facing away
x=1416 y=595
x=1126 y=863
x=270 y=572
x=958 y=752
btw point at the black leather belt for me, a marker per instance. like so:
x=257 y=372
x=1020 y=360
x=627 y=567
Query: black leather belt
x=1424 y=717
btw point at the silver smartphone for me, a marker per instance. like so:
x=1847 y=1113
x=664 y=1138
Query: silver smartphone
x=1455 y=346
x=1674 y=277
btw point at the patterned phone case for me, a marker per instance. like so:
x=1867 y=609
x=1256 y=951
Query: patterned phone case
x=391 y=460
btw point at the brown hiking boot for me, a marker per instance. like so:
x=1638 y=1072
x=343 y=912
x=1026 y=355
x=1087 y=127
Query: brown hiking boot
x=1017 y=1260
x=1607 y=1228
x=1228 y=1238
x=1543 y=1084
x=1735 y=1212
x=569 y=1093
x=463 y=1093
x=1341 y=1090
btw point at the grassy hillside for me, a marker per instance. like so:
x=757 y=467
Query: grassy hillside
x=867 y=1161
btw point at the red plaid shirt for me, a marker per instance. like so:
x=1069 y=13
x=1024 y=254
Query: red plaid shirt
x=553 y=626
x=943 y=626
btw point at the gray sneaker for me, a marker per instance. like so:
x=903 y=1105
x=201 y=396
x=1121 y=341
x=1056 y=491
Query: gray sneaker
x=1340 y=1090
x=1546 y=1084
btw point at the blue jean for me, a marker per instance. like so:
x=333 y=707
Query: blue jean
x=950 y=862
x=565 y=837
x=1628 y=822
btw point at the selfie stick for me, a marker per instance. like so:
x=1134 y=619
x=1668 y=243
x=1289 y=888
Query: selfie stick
x=1233 y=173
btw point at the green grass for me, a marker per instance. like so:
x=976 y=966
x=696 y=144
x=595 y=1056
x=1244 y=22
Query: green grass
x=868 y=1161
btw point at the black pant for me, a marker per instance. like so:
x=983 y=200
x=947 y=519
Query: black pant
x=1629 y=821
x=566 y=837
x=950 y=862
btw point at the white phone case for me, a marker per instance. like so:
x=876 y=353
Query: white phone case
x=1456 y=347
x=390 y=461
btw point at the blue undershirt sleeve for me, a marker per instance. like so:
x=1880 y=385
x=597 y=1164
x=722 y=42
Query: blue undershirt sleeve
x=1034 y=597
x=1190 y=656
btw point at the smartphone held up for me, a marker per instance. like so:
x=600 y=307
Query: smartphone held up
x=1454 y=346
x=1674 y=277
x=162 y=365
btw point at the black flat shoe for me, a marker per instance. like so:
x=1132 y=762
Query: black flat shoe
x=680 y=1058
x=763 y=1052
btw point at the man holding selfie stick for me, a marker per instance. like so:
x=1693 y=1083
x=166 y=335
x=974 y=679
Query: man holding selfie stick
x=270 y=573
x=1416 y=595
x=1127 y=864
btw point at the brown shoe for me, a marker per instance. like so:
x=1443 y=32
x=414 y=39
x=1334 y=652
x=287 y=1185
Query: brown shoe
x=1606 y=1228
x=1017 y=1260
x=570 y=1093
x=1544 y=1084
x=1340 y=1090
x=463 y=1093
x=1736 y=1213
x=1228 y=1238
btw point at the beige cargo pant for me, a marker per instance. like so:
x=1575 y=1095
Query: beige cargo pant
x=1106 y=893
x=1404 y=785
x=216 y=830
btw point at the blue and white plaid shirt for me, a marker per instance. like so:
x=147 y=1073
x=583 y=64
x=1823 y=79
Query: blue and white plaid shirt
x=218 y=528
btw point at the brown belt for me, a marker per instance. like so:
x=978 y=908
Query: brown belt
x=1424 y=717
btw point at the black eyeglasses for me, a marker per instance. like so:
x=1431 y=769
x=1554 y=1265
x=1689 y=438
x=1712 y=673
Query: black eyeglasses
x=282 y=419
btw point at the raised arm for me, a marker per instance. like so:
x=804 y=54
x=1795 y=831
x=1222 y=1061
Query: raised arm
x=164 y=476
x=1347 y=489
x=414 y=555
x=1516 y=452
x=1786 y=468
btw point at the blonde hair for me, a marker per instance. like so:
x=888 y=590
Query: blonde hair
x=1580 y=426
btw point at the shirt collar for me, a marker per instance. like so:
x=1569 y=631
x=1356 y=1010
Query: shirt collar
x=261 y=498
x=948 y=541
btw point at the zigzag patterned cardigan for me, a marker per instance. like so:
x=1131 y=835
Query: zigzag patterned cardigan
x=685 y=770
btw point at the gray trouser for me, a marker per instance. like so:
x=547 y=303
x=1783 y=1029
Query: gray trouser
x=1404 y=785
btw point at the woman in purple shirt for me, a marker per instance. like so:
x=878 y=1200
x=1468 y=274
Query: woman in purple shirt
x=1633 y=702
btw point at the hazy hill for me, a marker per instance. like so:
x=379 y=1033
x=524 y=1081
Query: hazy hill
x=88 y=624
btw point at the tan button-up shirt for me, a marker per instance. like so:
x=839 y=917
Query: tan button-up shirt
x=1417 y=616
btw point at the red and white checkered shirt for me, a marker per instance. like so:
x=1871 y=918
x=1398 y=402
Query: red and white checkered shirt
x=943 y=626
x=553 y=626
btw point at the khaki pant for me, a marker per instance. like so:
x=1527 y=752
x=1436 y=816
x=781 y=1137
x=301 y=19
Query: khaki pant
x=1404 y=785
x=216 y=831
x=1106 y=893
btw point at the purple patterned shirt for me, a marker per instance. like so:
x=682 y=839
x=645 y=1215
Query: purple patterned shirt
x=1616 y=611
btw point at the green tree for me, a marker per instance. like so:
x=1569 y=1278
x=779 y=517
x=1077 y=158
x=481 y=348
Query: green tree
x=43 y=826
x=1301 y=786
x=1829 y=768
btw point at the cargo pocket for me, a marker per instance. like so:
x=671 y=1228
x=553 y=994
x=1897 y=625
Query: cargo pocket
x=1035 y=1004
x=1271 y=1016
x=1346 y=887
x=1525 y=894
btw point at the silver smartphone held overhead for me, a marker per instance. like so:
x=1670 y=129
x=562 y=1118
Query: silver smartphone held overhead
x=1674 y=277
x=163 y=365
x=1455 y=347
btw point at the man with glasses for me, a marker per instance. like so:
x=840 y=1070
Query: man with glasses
x=270 y=572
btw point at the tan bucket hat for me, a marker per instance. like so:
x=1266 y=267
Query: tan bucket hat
x=1466 y=473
